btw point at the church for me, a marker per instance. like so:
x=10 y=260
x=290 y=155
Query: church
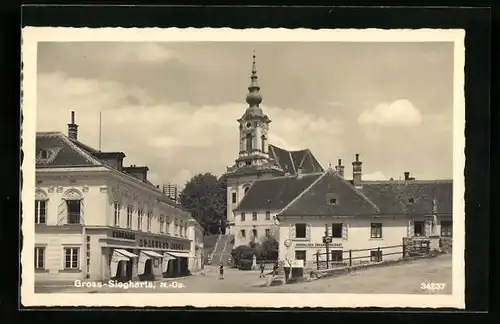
x=288 y=195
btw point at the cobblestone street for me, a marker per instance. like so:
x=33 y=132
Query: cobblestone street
x=398 y=279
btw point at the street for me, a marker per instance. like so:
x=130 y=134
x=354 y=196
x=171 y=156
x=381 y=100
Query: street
x=418 y=277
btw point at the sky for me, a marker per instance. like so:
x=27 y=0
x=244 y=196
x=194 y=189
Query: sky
x=173 y=106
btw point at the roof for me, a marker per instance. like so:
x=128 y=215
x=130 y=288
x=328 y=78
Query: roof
x=53 y=149
x=411 y=197
x=329 y=194
x=315 y=200
x=292 y=161
x=275 y=193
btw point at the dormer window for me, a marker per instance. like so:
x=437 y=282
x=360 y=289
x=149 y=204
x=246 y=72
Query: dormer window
x=333 y=201
x=411 y=200
x=44 y=154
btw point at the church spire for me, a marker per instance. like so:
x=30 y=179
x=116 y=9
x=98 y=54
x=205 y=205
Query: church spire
x=254 y=98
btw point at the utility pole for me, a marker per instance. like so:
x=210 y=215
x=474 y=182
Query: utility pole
x=327 y=245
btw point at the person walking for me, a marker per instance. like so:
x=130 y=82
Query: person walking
x=221 y=271
x=262 y=268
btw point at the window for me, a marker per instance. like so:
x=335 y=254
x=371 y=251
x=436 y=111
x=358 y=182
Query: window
x=248 y=140
x=254 y=216
x=233 y=197
x=248 y=163
x=376 y=230
x=242 y=217
x=254 y=233
x=268 y=215
x=168 y=225
x=185 y=230
x=44 y=154
x=337 y=230
x=176 y=228
x=117 y=214
x=246 y=189
x=39 y=258
x=268 y=232
x=300 y=255
x=446 y=228
x=140 y=213
x=71 y=258
x=419 y=228
x=300 y=231
x=411 y=200
x=130 y=211
x=263 y=149
x=162 y=223
x=376 y=256
x=332 y=201
x=337 y=255
x=243 y=233
x=74 y=209
x=40 y=211
x=149 y=217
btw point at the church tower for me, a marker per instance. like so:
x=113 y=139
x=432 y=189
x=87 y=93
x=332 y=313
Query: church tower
x=253 y=158
x=254 y=125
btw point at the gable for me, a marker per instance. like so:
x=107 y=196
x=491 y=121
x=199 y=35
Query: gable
x=316 y=200
x=275 y=193
x=56 y=150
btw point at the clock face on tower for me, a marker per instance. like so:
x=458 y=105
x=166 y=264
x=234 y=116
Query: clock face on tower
x=248 y=125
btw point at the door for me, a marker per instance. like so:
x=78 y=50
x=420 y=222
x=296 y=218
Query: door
x=300 y=255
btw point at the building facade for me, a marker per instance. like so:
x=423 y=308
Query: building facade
x=257 y=159
x=98 y=220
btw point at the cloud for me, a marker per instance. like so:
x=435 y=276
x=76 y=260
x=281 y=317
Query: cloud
x=147 y=53
x=375 y=176
x=174 y=139
x=397 y=113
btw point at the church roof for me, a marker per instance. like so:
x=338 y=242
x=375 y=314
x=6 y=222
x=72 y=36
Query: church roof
x=292 y=161
x=275 y=193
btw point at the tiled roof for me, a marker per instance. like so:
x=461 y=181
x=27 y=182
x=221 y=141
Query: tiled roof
x=275 y=193
x=53 y=149
x=315 y=201
x=292 y=161
x=411 y=197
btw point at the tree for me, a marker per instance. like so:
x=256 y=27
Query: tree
x=205 y=197
x=268 y=249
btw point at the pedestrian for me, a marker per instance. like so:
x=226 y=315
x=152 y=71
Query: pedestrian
x=262 y=268
x=221 y=271
x=275 y=269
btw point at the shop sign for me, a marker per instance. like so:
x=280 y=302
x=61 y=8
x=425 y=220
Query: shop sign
x=123 y=235
x=318 y=245
x=152 y=243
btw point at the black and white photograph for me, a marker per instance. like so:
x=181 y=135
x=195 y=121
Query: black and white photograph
x=209 y=164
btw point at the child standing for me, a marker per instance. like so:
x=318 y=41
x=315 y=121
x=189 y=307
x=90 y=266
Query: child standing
x=221 y=271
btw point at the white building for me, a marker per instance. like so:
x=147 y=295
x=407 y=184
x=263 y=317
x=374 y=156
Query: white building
x=98 y=220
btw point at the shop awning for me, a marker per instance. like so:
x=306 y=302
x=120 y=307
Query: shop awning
x=117 y=257
x=179 y=254
x=152 y=254
x=126 y=253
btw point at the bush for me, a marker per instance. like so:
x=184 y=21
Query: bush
x=242 y=252
x=245 y=264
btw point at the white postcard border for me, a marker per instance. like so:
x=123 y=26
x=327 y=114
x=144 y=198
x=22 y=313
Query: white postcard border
x=32 y=35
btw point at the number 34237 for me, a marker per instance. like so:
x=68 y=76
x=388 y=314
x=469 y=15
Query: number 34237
x=432 y=286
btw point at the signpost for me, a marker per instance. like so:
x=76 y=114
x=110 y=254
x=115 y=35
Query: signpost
x=327 y=240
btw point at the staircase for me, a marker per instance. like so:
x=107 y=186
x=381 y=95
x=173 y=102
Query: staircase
x=222 y=250
x=209 y=244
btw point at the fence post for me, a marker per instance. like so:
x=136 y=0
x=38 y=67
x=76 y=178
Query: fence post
x=350 y=258
x=317 y=260
x=404 y=250
x=379 y=254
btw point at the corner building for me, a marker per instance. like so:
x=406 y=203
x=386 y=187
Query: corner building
x=98 y=220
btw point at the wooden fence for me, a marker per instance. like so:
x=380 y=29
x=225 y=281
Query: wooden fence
x=342 y=258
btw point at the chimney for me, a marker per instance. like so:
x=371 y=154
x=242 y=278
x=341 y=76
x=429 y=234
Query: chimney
x=356 y=172
x=114 y=159
x=407 y=176
x=340 y=168
x=73 y=128
x=139 y=172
